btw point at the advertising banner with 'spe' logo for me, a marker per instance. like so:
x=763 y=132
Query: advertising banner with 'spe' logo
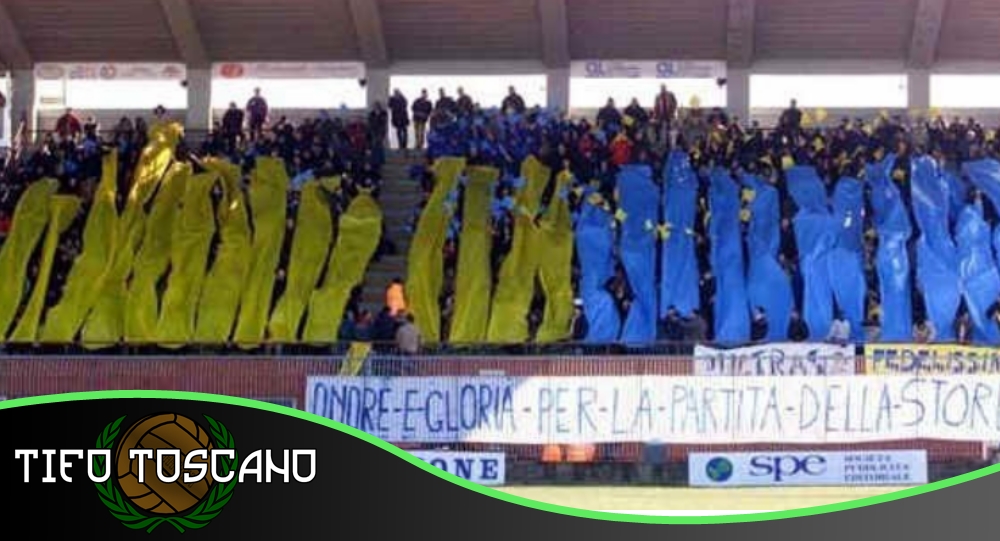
x=808 y=468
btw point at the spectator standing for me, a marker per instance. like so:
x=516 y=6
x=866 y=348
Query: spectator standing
x=513 y=103
x=580 y=324
x=395 y=297
x=963 y=328
x=445 y=102
x=3 y=106
x=257 y=114
x=408 y=336
x=758 y=325
x=465 y=104
x=798 y=331
x=398 y=106
x=68 y=126
x=840 y=330
x=791 y=119
x=378 y=124
x=924 y=331
x=232 y=126
x=664 y=113
x=608 y=118
x=695 y=328
x=422 y=108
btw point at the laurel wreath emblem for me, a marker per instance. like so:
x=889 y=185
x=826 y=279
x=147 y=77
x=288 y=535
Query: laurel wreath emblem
x=197 y=518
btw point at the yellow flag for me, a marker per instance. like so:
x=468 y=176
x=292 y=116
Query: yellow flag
x=933 y=112
x=883 y=114
x=787 y=162
x=695 y=102
x=749 y=195
x=899 y=175
x=818 y=145
x=821 y=114
x=355 y=358
x=807 y=119
x=620 y=215
x=745 y=215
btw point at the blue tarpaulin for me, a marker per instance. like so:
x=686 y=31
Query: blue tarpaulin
x=732 y=313
x=639 y=198
x=937 y=273
x=892 y=261
x=815 y=234
x=679 y=286
x=846 y=260
x=980 y=281
x=768 y=286
x=595 y=249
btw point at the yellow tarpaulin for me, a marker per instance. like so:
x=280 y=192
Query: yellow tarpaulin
x=359 y=234
x=105 y=324
x=220 y=298
x=310 y=248
x=142 y=305
x=30 y=218
x=473 y=277
x=63 y=320
x=355 y=359
x=425 y=265
x=516 y=287
x=268 y=203
x=189 y=247
x=62 y=211
x=555 y=270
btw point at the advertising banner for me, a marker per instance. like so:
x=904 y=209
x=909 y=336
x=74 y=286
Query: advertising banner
x=483 y=468
x=668 y=409
x=931 y=359
x=808 y=468
x=289 y=70
x=649 y=69
x=790 y=359
x=111 y=71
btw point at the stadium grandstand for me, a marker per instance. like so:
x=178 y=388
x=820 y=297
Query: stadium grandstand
x=620 y=210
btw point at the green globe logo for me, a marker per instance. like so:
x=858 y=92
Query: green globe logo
x=719 y=469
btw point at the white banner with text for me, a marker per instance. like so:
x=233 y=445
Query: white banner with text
x=808 y=468
x=647 y=69
x=671 y=409
x=482 y=468
x=792 y=359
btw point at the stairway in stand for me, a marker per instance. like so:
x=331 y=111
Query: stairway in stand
x=399 y=200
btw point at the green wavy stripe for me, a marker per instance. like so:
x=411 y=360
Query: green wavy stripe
x=491 y=492
x=30 y=218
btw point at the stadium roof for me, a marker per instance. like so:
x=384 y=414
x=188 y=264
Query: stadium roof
x=198 y=32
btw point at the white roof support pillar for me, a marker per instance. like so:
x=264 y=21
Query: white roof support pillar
x=926 y=31
x=371 y=38
x=14 y=54
x=740 y=33
x=180 y=19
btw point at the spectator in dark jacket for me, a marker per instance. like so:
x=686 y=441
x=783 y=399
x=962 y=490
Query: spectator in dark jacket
x=378 y=124
x=513 y=103
x=797 y=329
x=422 y=108
x=232 y=126
x=400 y=118
x=758 y=325
x=257 y=114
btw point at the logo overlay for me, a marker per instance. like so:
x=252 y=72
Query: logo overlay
x=168 y=468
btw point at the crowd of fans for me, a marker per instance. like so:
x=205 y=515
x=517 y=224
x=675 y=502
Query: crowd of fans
x=595 y=150
x=592 y=150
